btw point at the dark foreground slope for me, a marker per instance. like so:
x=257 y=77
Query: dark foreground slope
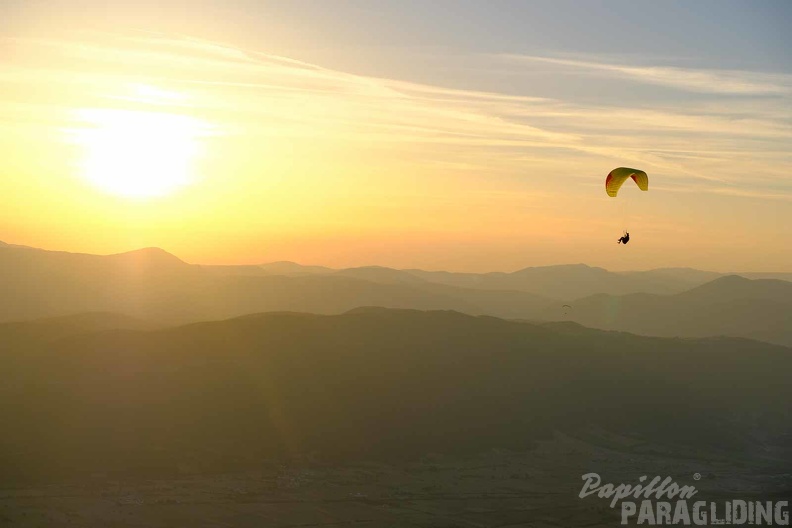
x=375 y=384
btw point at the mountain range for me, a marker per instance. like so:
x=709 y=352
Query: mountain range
x=155 y=286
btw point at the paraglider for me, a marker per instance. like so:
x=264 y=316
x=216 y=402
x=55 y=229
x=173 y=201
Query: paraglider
x=565 y=307
x=614 y=181
x=617 y=177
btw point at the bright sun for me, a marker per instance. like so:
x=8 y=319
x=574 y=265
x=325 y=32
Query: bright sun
x=137 y=154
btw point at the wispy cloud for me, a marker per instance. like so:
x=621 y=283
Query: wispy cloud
x=696 y=80
x=713 y=146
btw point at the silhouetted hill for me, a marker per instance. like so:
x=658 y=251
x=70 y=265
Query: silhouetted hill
x=152 y=284
x=272 y=268
x=672 y=279
x=6 y=244
x=292 y=268
x=85 y=322
x=374 y=383
x=574 y=281
x=151 y=257
x=43 y=330
x=235 y=269
x=37 y=283
x=736 y=287
x=766 y=275
x=730 y=306
x=565 y=282
x=381 y=275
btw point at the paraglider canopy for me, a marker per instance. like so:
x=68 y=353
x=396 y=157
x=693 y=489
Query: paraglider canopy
x=617 y=177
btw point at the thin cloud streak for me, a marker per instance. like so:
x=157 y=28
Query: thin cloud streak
x=496 y=132
x=696 y=80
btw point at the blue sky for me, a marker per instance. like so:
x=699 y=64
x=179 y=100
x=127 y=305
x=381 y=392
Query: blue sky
x=719 y=33
x=723 y=34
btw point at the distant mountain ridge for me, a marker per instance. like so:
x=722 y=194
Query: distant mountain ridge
x=730 y=306
x=154 y=285
x=151 y=284
x=564 y=281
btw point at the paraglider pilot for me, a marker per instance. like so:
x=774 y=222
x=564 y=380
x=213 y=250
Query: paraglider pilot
x=624 y=239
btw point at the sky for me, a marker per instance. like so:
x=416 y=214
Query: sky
x=465 y=136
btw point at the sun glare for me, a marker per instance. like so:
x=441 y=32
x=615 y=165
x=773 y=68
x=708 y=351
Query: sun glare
x=137 y=154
